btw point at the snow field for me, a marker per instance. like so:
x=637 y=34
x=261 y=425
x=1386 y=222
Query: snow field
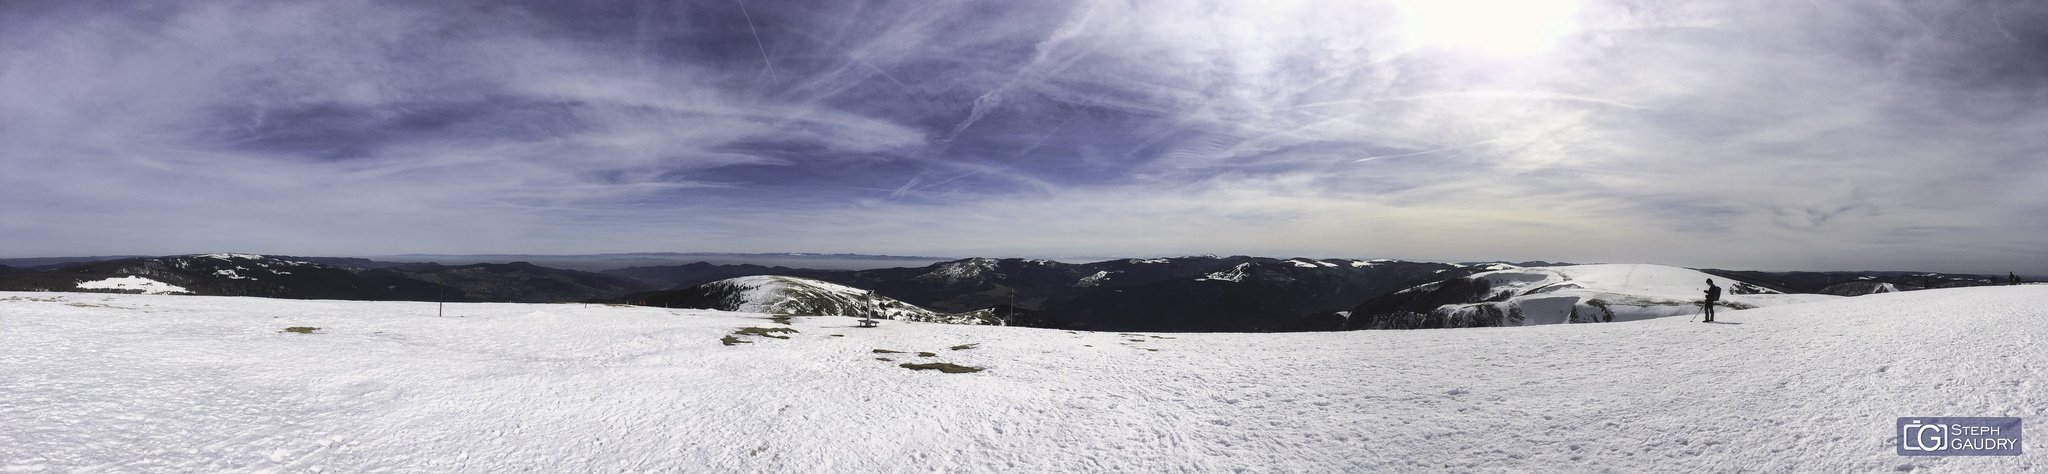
x=127 y=383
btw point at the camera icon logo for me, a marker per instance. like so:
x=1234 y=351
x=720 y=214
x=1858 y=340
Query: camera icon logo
x=1923 y=437
x=1959 y=436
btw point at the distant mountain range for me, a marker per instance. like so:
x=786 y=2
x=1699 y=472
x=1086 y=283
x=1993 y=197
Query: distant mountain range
x=52 y=263
x=589 y=262
x=229 y=274
x=1857 y=283
x=1197 y=293
x=1194 y=293
x=600 y=262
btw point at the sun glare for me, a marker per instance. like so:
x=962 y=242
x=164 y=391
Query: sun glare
x=1492 y=26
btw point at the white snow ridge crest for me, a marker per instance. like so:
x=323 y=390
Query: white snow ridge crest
x=133 y=283
x=777 y=294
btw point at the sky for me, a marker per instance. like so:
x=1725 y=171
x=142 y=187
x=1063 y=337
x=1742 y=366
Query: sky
x=1771 y=135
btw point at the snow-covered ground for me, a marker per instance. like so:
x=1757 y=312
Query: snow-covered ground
x=163 y=383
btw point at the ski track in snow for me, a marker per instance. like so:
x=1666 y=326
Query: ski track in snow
x=128 y=383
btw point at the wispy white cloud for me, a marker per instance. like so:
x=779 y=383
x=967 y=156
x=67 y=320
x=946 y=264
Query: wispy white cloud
x=1734 y=134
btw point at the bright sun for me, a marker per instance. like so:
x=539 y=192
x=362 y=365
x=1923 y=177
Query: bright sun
x=1492 y=26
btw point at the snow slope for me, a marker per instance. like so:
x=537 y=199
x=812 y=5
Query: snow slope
x=159 y=383
x=1548 y=295
x=1517 y=296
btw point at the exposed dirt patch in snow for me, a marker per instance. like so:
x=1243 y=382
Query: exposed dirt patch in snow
x=942 y=367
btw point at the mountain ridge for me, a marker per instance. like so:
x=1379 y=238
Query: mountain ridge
x=1179 y=294
x=232 y=274
x=1169 y=294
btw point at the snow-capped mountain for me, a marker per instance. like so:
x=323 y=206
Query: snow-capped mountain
x=970 y=271
x=799 y=296
x=1558 y=295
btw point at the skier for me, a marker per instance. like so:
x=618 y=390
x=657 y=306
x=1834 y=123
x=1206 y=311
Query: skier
x=1713 y=294
x=2010 y=277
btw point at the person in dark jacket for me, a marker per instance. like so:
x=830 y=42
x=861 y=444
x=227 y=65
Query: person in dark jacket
x=1713 y=295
